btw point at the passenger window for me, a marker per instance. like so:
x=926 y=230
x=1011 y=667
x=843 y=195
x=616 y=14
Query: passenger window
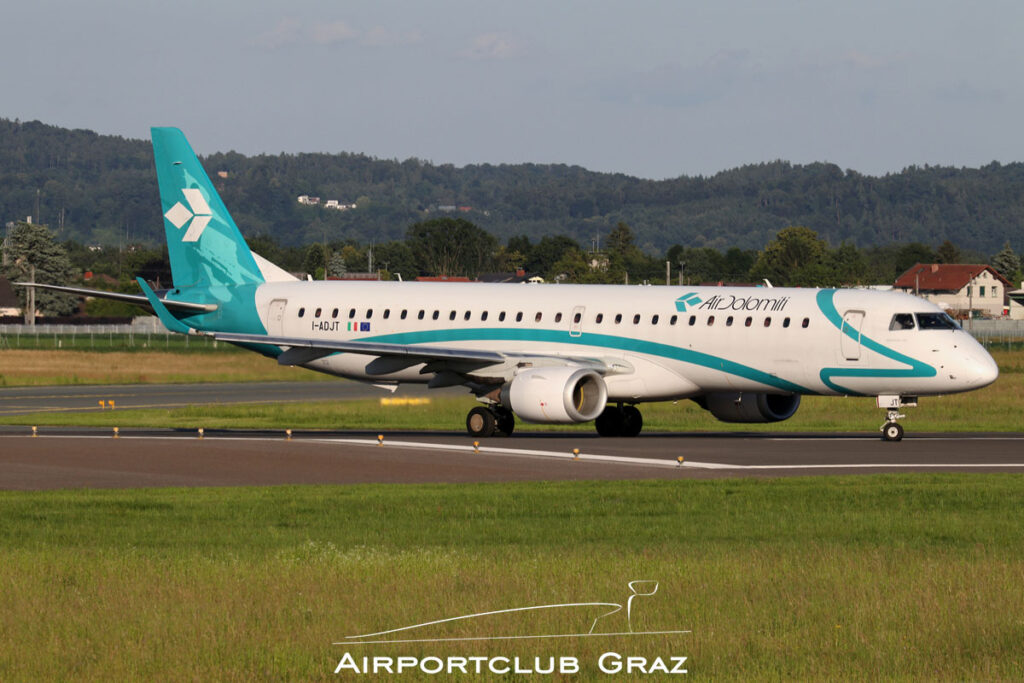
x=711 y=320
x=501 y=317
x=302 y=312
x=351 y=313
x=673 y=320
x=576 y=318
x=387 y=313
x=537 y=317
x=334 y=313
x=728 y=321
x=805 y=323
x=436 y=315
x=451 y=316
x=693 y=320
x=654 y=319
x=466 y=317
x=785 y=322
x=519 y=317
x=317 y=314
x=618 y=318
x=483 y=316
x=419 y=316
x=558 y=317
x=768 y=321
x=748 y=321
x=636 y=319
x=599 y=318
x=369 y=313
x=902 y=321
x=405 y=312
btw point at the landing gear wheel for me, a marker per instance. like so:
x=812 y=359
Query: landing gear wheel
x=481 y=422
x=610 y=422
x=632 y=421
x=505 y=421
x=892 y=431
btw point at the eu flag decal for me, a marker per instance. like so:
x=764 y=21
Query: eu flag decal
x=364 y=327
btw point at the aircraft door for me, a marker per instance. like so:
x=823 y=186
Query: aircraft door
x=275 y=317
x=849 y=339
x=576 y=323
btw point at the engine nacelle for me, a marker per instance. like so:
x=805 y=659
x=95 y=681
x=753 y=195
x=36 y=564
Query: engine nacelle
x=556 y=394
x=746 y=406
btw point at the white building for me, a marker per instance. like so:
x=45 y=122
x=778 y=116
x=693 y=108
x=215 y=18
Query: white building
x=959 y=287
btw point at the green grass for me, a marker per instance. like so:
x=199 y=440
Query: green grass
x=913 y=577
x=995 y=408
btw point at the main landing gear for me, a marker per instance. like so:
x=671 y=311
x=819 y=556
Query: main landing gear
x=619 y=421
x=892 y=430
x=485 y=421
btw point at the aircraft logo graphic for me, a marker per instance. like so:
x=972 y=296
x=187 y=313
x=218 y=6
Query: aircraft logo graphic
x=199 y=216
x=685 y=300
x=637 y=589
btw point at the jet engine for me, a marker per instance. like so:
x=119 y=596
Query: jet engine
x=556 y=394
x=745 y=406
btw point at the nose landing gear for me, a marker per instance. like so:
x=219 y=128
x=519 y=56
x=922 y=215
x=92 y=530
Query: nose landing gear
x=892 y=430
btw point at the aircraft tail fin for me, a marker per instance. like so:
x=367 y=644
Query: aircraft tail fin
x=204 y=245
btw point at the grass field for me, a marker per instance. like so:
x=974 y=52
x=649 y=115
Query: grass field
x=994 y=408
x=225 y=364
x=905 y=577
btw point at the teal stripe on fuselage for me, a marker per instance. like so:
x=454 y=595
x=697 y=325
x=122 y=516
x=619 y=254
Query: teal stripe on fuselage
x=594 y=340
x=826 y=302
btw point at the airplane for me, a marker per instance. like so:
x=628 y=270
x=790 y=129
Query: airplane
x=547 y=353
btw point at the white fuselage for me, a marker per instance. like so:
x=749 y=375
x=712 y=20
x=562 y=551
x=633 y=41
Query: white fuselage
x=662 y=342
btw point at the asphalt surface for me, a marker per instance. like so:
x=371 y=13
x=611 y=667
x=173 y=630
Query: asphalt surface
x=94 y=458
x=23 y=400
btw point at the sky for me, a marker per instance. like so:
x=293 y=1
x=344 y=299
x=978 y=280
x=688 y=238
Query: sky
x=650 y=89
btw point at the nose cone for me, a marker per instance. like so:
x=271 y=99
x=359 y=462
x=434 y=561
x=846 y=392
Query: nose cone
x=981 y=368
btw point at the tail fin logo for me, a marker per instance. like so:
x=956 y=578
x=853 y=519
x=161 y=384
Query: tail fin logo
x=199 y=215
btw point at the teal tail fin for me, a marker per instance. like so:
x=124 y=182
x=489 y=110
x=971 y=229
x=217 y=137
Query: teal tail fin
x=205 y=246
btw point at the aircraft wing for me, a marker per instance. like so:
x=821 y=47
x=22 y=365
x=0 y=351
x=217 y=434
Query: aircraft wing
x=300 y=350
x=137 y=299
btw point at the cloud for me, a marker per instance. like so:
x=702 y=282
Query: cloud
x=287 y=31
x=490 y=46
x=291 y=31
x=684 y=86
x=378 y=36
x=331 y=33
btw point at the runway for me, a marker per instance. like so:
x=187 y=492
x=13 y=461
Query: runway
x=93 y=458
x=56 y=399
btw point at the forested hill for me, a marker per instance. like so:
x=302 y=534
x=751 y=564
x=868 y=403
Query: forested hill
x=102 y=189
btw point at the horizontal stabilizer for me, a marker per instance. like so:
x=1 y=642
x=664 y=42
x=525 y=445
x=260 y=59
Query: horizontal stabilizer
x=137 y=299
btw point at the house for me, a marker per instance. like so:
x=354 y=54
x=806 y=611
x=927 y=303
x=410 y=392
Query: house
x=959 y=288
x=307 y=200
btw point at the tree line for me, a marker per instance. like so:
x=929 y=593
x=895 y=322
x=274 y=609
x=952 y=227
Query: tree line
x=101 y=190
x=796 y=256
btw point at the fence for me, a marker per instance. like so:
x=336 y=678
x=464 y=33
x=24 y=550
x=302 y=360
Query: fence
x=142 y=332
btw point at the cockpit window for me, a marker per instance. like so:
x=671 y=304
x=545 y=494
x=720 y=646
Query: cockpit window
x=936 y=321
x=902 y=321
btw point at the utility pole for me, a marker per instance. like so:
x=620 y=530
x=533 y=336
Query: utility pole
x=30 y=298
x=668 y=272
